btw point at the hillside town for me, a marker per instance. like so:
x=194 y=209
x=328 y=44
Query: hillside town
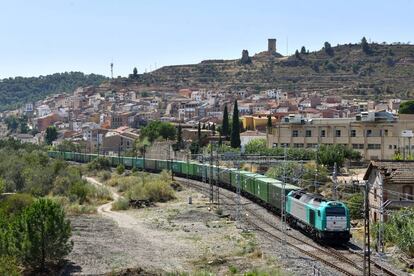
x=99 y=115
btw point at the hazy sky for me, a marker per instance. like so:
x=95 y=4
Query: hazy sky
x=43 y=37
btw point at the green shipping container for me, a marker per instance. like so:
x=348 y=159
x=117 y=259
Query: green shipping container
x=138 y=163
x=150 y=164
x=176 y=166
x=128 y=161
x=275 y=191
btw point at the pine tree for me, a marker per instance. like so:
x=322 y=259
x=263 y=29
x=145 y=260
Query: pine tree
x=179 y=137
x=269 y=122
x=303 y=50
x=220 y=142
x=297 y=55
x=365 y=46
x=235 y=133
x=45 y=234
x=225 y=125
x=135 y=72
x=51 y=134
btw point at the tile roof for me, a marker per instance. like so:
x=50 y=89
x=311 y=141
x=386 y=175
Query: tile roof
x=394 y=172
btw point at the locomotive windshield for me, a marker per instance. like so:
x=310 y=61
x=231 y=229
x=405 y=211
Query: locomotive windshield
x=335 y=211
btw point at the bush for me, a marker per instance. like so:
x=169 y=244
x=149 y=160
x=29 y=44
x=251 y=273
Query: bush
x=356 y=206
x=121 y=204
x=104 y=176
x=155 y=189
x=42 y=234
x=120 y=169
x=9 y=266
x=79 y=190
x=14 y=204
x=99 y=164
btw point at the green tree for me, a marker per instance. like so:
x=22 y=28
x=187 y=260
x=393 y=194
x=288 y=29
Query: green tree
x=43 y=234
x=141 y=145
x=328 y=49
x=135 y=72
x=51 y=134
x=297 y=55
x=167 y=131
x=2 y=186
x=365 y=46
x=303 y=50
x=235 y=130
x=407 y=107
x=225 y=125
x=120 y=169
x=220 y=141
x=180 y=142
x=269 y=122
x=328 y=155
x=157 y=129
x=356 y=206
x=256 y=146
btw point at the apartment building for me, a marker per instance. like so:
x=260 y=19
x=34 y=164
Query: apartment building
x=376 y=135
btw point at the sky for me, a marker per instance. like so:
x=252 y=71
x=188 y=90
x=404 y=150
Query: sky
x=47 y=36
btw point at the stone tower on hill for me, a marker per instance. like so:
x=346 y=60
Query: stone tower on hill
x=271 y=45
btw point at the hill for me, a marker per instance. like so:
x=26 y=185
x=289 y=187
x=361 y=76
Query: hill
x=16 y=91
x=382 y=72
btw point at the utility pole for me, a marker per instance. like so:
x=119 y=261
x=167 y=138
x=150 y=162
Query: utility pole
x=367 y=248
x=238 y=190
x=283 y=198
x=211 y=176
x=334 y=182
x=188 y=165
x=218 y=180
x=316 y=171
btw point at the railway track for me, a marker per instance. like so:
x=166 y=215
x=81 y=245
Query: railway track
x=348 y=264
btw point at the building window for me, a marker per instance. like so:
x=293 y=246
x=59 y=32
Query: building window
x=310 y=145
x=353 y=133
x=375 y=194
x=385 y=132
x=323 y=133
x=308 y=133
x=358 y=146
x=298 y=145
x=338 y=133
x=408 y=192
x=284 y=145
x=369 y=132
x=295 y=133
x=389 y=146
x=274 y=145
x=374 y=146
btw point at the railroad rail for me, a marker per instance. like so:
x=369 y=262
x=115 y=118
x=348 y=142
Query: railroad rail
x=324 y=254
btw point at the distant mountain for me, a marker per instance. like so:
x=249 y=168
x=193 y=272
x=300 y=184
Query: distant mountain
x=19 y=90
x=375 y=72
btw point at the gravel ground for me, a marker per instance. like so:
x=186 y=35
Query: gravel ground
x=172 y=237
x=177 y=237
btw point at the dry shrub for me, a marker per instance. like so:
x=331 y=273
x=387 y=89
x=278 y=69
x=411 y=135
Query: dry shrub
x=153 y=188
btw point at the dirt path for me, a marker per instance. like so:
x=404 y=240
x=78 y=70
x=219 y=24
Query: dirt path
x=124 y=220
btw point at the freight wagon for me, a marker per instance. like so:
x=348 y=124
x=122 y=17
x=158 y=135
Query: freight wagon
x=325 y=220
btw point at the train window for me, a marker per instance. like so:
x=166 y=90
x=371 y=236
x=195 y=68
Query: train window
x=335 y=211
x=319 y=213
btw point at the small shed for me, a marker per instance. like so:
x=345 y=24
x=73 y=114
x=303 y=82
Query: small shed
x=391 y=185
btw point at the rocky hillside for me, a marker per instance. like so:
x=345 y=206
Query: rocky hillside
x=382 y=71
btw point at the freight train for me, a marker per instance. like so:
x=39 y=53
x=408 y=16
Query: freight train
x=325 y=220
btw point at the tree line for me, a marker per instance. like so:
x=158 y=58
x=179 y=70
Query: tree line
x=14 y=92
